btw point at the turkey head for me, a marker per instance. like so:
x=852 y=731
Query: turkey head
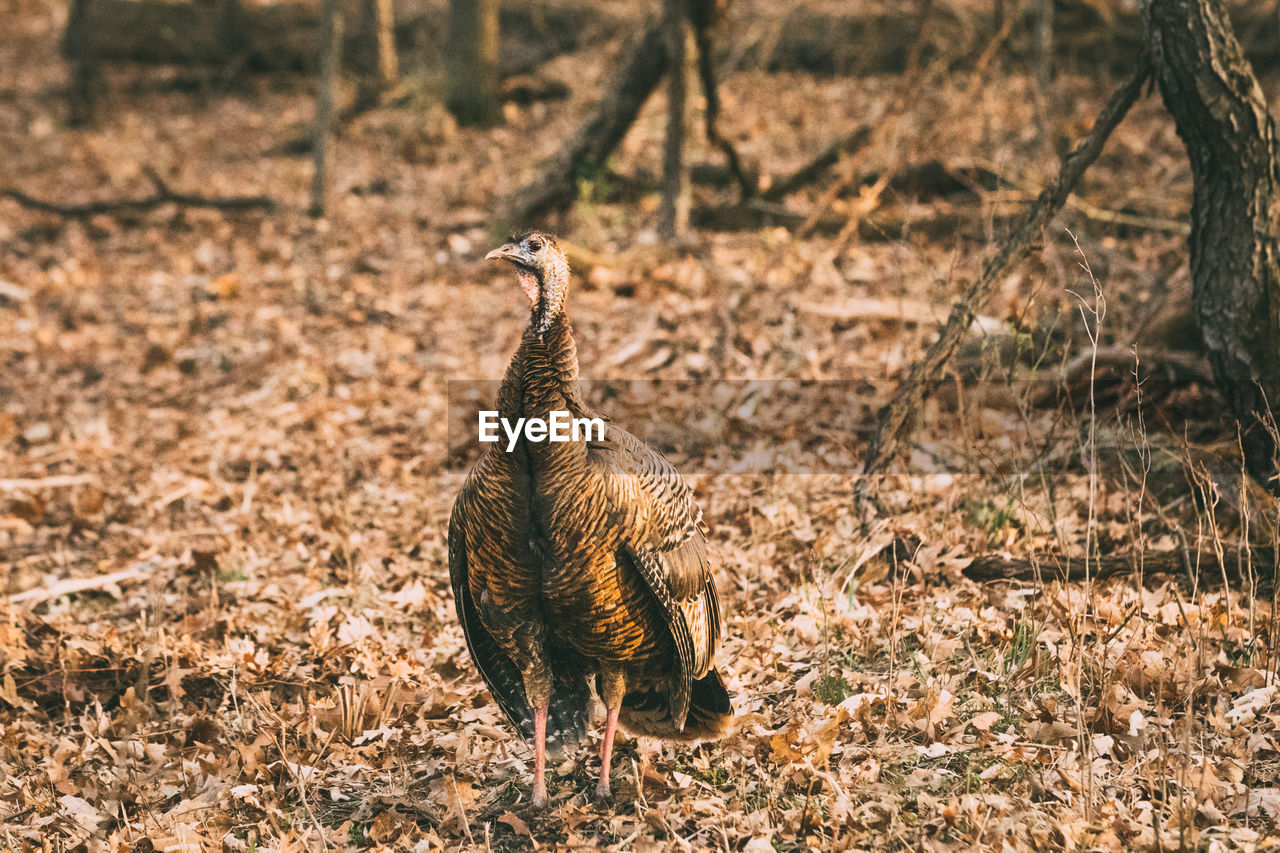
x=543 y=273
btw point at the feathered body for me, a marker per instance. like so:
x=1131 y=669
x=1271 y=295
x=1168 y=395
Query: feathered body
x=582 y=561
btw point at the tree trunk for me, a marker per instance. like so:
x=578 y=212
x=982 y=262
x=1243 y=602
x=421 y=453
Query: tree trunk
x=472 y=62
x=673 y=212
x=704 y=15
x=1223 y=120
x=374 y=58
x=232 y=40
x=388 y=60
x=86 y=76
x=1042 y=59
x=330 y=57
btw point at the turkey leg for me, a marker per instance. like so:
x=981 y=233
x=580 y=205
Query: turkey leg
x=539 y=756
x=613 y=687
x=606 y=752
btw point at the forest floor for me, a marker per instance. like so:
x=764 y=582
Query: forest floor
x=247 y=417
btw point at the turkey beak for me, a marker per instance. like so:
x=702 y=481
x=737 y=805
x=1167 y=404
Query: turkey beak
x=508 y=252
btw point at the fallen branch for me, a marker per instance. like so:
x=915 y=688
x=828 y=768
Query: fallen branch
x=843 y=147
x=911 y=392
x=1204 y=565
x=913 y=311
x=59 y=481
x=557 y=187
x=11 y=292
x=74 y=585
x=163 y=195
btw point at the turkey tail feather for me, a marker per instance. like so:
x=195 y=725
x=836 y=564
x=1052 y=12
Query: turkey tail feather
x=648 y=712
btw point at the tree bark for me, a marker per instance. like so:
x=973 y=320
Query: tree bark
x=557 y=187
x=472 y=62
x=1222 y=117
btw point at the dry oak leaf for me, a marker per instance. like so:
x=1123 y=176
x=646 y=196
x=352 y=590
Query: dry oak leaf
x=1050 y=732
x=1251 y=803
x=798 y=741
x=81 y=811
x=225 y=286
x=459 y=796
x=518 y=826
x=984 y=721
x=183 y=838
x=388 y=826
x=934 y=707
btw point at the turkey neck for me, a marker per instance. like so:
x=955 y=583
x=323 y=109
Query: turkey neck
x=549 y=361
x=543 y=372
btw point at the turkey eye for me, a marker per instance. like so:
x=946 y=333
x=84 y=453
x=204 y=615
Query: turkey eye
x=535 y=245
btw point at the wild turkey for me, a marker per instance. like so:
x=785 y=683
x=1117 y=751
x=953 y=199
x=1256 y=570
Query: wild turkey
x=582 y=561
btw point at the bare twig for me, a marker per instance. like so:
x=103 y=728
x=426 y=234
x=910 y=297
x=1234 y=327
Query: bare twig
x=1097 y=309
x=706 y=74
x=163 y=195
x=58 y=481
x=989 y=52
x=911 y=392
x=462 y=810
x=74 y=585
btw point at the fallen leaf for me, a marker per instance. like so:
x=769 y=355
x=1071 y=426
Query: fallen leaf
x=984 y=721
x=81 y=811
x=518 y=826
